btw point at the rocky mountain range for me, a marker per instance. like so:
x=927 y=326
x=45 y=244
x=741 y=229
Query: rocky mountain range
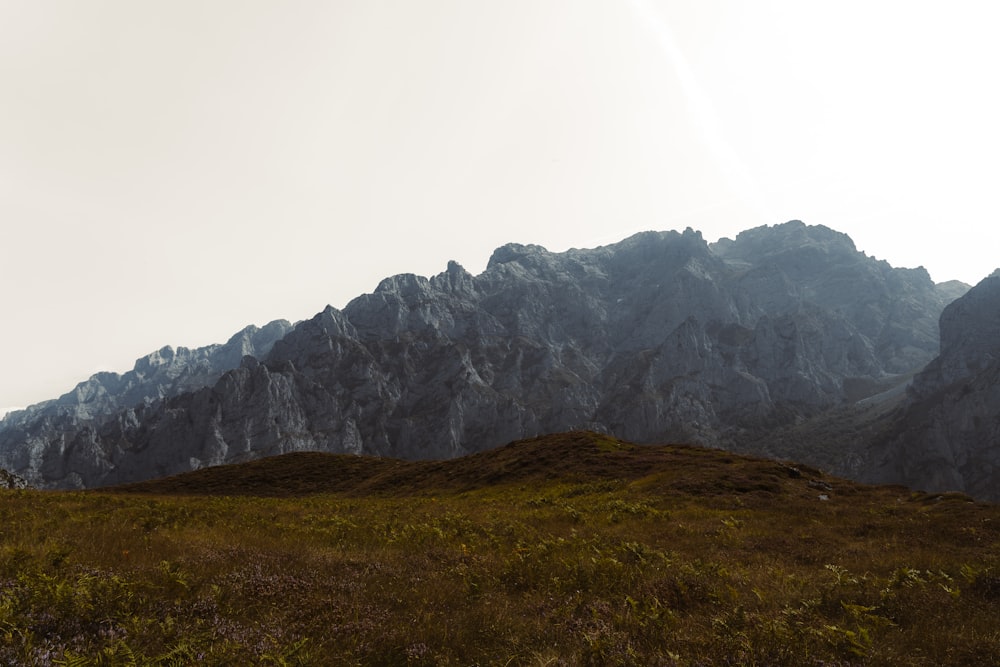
x=661 y=337
x=31 y=437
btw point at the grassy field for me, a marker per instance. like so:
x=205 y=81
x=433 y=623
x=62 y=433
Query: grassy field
x=564 y=550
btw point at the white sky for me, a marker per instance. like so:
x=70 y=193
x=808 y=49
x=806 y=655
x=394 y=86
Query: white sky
x=172 y=171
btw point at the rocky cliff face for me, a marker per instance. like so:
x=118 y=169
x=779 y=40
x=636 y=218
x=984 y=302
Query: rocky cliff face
x=946 y=436
x=659 y=337
x=30 y=438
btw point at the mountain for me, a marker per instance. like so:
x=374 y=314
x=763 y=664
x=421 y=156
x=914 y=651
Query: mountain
x=661 y=337
x=31 y=438
x=946 y=435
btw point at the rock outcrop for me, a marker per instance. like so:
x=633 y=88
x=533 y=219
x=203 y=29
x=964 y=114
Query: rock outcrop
x=946 y=437
x=30 y=437
x=11 y=481
x=659 y=337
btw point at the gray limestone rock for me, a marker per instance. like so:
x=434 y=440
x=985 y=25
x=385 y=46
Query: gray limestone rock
x=947 y=435
x=57 y=443
x=659 y=337
x=11 y=481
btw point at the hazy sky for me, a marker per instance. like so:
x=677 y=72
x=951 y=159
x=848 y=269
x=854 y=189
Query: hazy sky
x=172 y=171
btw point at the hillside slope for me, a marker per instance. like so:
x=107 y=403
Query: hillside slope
x=574 y=549
x=578 y=456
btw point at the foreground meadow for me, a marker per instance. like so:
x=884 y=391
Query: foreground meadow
x=567 y=550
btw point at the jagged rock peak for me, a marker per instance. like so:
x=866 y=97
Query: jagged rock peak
x=513 y=252
x=784 y=238
x=403 y=283
x=164 y=372
x=160 y=357
x=277 y=328
x=970 y=330
x=330 y=321
x=454 y=279
x=690 y=241
x=658 y=336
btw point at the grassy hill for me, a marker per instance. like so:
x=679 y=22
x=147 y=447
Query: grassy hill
x=572 y=549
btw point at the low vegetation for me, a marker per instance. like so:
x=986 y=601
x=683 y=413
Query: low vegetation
x=566 y=550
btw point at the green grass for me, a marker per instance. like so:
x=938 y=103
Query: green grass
x=565 y=550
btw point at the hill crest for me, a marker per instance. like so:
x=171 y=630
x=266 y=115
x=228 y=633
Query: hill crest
x=574 y=457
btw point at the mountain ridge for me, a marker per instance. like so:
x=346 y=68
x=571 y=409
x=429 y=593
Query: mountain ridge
x=945 y=435
x=660 y=337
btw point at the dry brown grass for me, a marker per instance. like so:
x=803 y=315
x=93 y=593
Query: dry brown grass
x=573 y=549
